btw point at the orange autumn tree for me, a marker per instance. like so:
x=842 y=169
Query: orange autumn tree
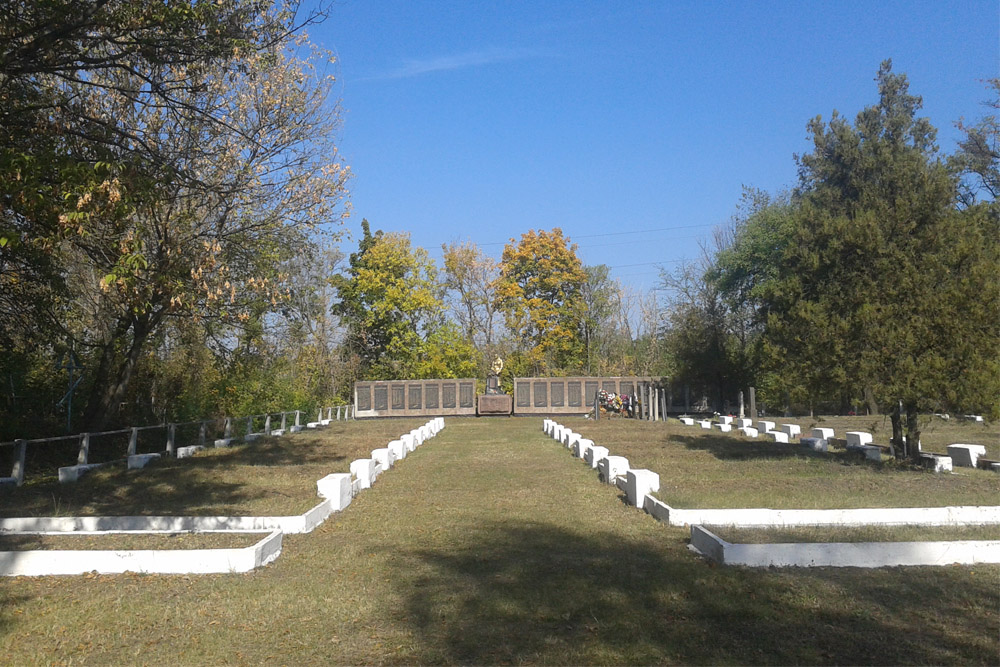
x=540 y=293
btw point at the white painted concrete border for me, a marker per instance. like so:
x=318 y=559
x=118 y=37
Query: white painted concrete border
x=963 y=515
x=844 y=554
x=161 y=561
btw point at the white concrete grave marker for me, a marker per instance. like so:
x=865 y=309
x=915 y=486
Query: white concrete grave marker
x=364 y=471
x=936 y=462
x=409 y=441
x=791 y=429
x=744 y=422
x=384 y=458
x=725 y=419
x=765 y=426
x=336 y=488
x=687 y=421
x=638 y=484
x=777 y=436
x=611 y=468
x=966 y=455
x=705 y=424
x=581 y=446
x=858 y=439
x=750 y=431
x=823 y=433
x=725 y=427
x=398 y=449
x=594 y=455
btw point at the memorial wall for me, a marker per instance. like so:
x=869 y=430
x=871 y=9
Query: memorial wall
x=414 y=398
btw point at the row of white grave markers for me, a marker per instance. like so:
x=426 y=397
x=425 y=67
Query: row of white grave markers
x=637 y=483
x=861 y=441
x=364 y=472
x=336 y=489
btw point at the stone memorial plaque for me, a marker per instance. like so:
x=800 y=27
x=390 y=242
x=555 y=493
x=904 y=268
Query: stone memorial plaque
x=431 y=396
x=523 y=394
x=467 y=395
x=448 y=395
x=398 y=394
x=364 y=393
x=558 y=392
x=541 y=394
x=381 y=398
x=415 y=396
x=575 y=395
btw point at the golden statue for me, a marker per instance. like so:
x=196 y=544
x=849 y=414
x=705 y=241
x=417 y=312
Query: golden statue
x=497 y=366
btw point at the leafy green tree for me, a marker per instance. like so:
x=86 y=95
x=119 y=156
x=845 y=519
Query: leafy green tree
x=390 y=301
x=540 y=292
x=977 y=160
x=873 y=284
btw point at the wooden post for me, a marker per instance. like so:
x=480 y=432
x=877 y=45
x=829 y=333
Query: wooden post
x=597 y=405
x=753 y=404
x=171 y=439
x=664 y=404
x=133 y=441
x=84 y=448
x=19 y=455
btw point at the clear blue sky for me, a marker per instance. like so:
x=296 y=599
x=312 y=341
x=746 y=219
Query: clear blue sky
x=474 y=120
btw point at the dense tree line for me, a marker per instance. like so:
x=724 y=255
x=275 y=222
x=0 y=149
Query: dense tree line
x=874 y=283
x=170 y=215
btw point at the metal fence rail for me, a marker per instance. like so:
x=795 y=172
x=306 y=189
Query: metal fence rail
x=207 y=428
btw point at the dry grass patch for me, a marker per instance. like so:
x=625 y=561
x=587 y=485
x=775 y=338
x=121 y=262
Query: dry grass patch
x=129 y=542
x=707 y=469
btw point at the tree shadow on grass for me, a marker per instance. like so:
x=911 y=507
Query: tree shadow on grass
x=539 y=593
x=737 y=449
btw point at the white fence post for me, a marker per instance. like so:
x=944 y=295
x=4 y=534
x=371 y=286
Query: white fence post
x=267 y=425
x=18 y=472
x=133 y=440
x=228 y=432
x=201 y=434
x=84 y=448
x=297 y=418
x=171 y=434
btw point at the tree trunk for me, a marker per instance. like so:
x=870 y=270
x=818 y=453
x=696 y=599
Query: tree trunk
x=114 y=374
x=899 y=449
x=871 y=402
x=912 y=431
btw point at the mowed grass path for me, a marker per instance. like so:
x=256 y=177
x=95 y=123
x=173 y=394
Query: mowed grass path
x=491 y=544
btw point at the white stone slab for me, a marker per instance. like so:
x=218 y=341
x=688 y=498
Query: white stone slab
x=858 y=438
x=750 y=432
x=570 y=438
x=791 y=429
x=966 y=455
x=186 y=452
x=744 y=422
x=725 y=428
x=384 y=457
x=777 y=436
x=824 y=433
x=364 y=471
x=687 y=421
x=278 y=432
x=725 y=419
x=223 y=442
x=137 y=461
x=398 y=449
x=594 y=455
x=580 y=448
x=936 y=462
x=872 y=452
x=705 y=424
x=815 y=444
x=638 y=484
x=69 y=474
x=764 y=426
x=611 y=468
x=336 y=488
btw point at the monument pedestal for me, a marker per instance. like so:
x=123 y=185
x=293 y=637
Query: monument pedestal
x=494 y=404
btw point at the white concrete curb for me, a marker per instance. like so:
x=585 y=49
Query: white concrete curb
x=844 y=554
x=160 y=561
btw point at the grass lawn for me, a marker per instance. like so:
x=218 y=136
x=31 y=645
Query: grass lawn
x=491 y=544
x=707 y=469
x=270 y=477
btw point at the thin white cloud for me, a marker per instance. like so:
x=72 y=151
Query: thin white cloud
x=419 y=67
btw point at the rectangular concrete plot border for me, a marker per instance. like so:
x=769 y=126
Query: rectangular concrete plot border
x=161 y=561
x=844 y=554
x=964 y=515
x=414 y=398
